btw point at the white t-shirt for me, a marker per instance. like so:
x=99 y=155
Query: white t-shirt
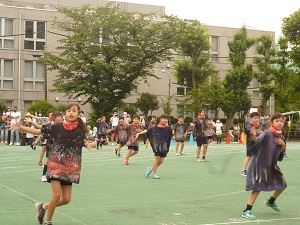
x=114 y=121
x=13 y=115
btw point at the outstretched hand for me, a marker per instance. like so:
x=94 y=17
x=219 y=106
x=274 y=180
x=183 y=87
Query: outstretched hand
x=14 y=126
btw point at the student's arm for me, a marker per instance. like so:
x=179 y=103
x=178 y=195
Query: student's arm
x=142 y=132
x=17 y=126
x=30 y=121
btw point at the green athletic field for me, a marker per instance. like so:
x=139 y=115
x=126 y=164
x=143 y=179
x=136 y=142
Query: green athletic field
x=111 y=193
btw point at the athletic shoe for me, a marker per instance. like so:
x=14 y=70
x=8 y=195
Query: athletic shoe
x=126 y=162
x=244 y=173
x=248 y=215
x=155 y=176
x=119 y=155
x=116 y=151
x=40 y=212
x=48 y=223
x=177 y=154
x=44 y=179
x=273 y=206
x=112 y=144
x=1 y=142
x=198 y=160
x=182 y=153
x=18 y=144
x=148 y=172
x=204 y=160
x=10 y=144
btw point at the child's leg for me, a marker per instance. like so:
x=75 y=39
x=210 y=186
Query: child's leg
x=56 y=195
x=246 y=162
x=133 y=153
x=276 y=193
x=182 y=146
x=176 y=147
x=253 y=197
x=204 y=150
x=126 y=157
x=157 y=162
x=66 y=194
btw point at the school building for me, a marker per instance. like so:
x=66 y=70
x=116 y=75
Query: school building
x=26 y=31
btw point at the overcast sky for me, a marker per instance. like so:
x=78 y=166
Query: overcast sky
x=255 y=14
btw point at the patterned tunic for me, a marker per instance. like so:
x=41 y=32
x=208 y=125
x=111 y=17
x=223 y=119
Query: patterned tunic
x=64 y=162
x=160 y=138
x=122 y=134
x=131 y=132
x=200 y=127
x=180 y=130
x=263 y=172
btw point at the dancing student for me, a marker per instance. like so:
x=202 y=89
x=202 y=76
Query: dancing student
x=132 y=142
x=160 y=137
x=254 y=123
x=64 y=162
x=263 y=172
x=180 y=132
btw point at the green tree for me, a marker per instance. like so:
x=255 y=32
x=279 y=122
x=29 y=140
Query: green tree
x=2 y=105
x=195 y=69
x=107 y=51
x=166 y=105
x=42 y=106
x=286 y=78
x=290 y=29
x=147 y=102
x=266 y=71
x=236 y=98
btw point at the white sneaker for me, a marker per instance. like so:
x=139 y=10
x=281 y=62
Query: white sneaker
x=44 y=179
x=10 y=144
x=1 y=142
x=198 y=160
x=112 y=144
x=177 y=154
x=18 y=144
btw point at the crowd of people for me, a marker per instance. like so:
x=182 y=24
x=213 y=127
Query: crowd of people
x=62 y=136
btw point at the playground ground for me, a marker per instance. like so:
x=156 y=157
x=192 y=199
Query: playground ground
x=111 y=193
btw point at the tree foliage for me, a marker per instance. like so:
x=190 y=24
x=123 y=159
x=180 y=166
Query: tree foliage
x=266 y=71
x=291 y=30
x=236 y=98
x=194 y=70
x=108 y=51
x=147 y=102
x=2 y=105
x=42 y=106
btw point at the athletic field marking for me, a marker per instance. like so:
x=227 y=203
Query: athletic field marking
x=34 y=200
x=251 y=221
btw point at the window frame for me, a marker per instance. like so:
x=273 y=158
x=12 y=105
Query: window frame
x=3 y=36
x=34 y=38
x=34 y=79
x=2 y=77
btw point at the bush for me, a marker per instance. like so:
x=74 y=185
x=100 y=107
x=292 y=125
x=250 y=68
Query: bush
x=42 y=106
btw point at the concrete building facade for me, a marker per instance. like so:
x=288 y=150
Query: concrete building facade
x=26 y=31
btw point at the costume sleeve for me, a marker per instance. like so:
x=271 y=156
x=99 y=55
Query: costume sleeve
x=255 y=146
x=48 y=131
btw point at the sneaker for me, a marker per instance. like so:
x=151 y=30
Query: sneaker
x=182 y=153
x=177 y=154
x=273 y=206
x=1 y=142
x=48 y=223
x=116 y=151
x=198 y=160
x=248 y=215
x=244 y=173
x=18 y=144
x=40 y=212
x=43 y=178
x=126 y=162
x=119 y=155
x=10 y=144
x=155 y=176
x=148 y=172
x=204 y=160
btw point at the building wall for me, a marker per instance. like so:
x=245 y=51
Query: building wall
x=44 y=10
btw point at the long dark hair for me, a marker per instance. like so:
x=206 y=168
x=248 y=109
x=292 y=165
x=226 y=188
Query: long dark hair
x=81 y=124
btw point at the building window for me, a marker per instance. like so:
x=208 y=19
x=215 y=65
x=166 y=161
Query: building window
x=255 y=83
x=214 y=43
x=6 y=33
x=35 y=35
x=255 y=94
x=34 y=76
x=6 y=74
